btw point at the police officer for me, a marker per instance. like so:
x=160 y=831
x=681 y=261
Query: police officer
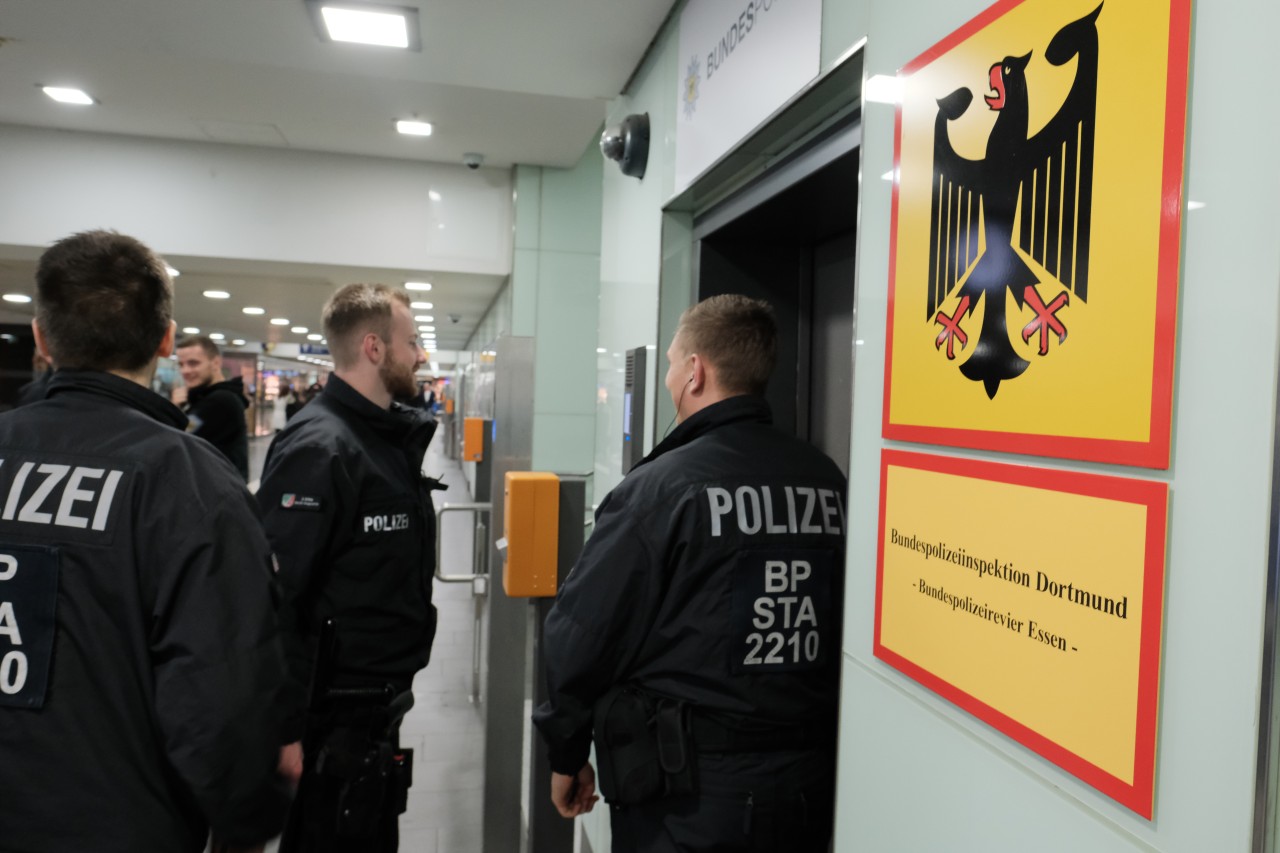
x=139 y=655
x=214 y=406
x=697 y=636
x=349 y=514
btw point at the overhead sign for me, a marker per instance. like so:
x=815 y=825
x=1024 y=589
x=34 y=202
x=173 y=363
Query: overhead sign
x=739 y=61
x=1032 y=599
x=1036 y=222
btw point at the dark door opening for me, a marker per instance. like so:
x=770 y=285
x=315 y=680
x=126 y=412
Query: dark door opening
x=796 y=249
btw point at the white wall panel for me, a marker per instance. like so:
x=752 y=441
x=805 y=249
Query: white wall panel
x=238 y=202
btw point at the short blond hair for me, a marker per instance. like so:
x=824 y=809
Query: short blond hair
x=355 y=311
x=737 y=336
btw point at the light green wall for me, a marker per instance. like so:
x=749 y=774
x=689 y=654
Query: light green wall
x=555 y=294
x=916 y=774
x=496 y=321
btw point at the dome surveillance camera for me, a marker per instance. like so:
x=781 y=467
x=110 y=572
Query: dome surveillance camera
x=628 y=143
x=472 y=160
x=455 y=318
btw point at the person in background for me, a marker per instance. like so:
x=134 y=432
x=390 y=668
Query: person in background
x=214 y=406
x=295 y=404
x=429 y=394
x=140 y=659
x=697 y=637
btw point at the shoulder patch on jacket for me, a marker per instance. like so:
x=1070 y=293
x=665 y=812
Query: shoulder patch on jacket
x=289 y=500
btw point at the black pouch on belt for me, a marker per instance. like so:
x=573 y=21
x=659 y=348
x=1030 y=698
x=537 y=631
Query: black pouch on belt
x=675 y=747
x=401 y=780
x=643 y=746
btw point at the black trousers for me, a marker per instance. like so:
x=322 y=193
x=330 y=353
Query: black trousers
x=332 y=813
x=782 y=802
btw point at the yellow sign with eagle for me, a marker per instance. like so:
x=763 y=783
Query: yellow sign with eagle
x=1036 y=225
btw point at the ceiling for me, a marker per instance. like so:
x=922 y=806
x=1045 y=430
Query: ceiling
x=517 y=82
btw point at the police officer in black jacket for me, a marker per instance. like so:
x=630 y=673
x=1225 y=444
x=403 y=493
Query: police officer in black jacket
x=349 y=514
x=214 y=406
x=698 y=635
x=140 y=662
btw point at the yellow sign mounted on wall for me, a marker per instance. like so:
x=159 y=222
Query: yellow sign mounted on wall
x=988 y=594
x=1036 y=224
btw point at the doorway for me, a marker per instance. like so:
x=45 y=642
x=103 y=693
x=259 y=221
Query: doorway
x=791 y=238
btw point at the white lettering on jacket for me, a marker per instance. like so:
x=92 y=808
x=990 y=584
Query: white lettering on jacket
x=386 y=523
x=61 y=495
x=760 y=510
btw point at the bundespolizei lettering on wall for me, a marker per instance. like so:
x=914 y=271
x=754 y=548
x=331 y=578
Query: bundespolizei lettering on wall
x=740 y=60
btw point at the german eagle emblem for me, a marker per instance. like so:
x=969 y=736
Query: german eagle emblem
x=1028 y=200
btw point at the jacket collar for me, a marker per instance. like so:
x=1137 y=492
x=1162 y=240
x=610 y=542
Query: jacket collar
x=741 y=409
x=401 y=424
x=117 y=389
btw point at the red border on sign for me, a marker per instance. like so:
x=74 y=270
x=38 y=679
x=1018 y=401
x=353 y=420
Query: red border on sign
x=1154 y=452
x=1138 y=796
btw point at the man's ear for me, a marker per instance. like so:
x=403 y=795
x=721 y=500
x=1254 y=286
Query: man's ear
x=698 y=374
x=166 y=343
x=373 y=347
x=42 y=346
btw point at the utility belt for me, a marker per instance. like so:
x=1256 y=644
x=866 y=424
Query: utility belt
x=361 y=775
x=647 y=745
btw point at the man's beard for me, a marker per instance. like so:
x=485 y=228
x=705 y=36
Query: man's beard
x=397 y=377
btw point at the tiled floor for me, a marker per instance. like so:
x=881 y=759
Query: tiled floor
x=445 y=730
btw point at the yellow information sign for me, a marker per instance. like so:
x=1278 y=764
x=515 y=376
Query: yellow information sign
x=1036 y=223
x=1032 y=599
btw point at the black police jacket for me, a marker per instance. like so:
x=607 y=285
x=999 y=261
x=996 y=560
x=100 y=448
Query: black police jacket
x=349 y=515
x=714 y=575
x=216 y=413
x=139 y=655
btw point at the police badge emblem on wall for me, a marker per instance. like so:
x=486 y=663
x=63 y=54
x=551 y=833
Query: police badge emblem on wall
x=1036 y=227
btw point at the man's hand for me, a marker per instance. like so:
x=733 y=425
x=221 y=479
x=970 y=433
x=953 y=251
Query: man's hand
x=290 y=766
x=574 y=795
x=178 y=395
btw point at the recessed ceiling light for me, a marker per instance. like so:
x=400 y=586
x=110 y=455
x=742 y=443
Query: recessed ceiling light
x=887 y=176
x=601 y=350
x=64 y=95
x=299 y=330
x=279 y=321
x=424 y=318
x=410 y=127
x=421 y=306
x=417 y=285
x=441 y=226
x=315 y=337
x=190 y=330
x=384 y=26
x=238 y=342
x=426 y=328
x=433 y=195
x=173 y=273
x=252 y=310
x=217 y=294
x=217 y=336
x=16 y=297
x=1195 y=205
x=882 y=89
